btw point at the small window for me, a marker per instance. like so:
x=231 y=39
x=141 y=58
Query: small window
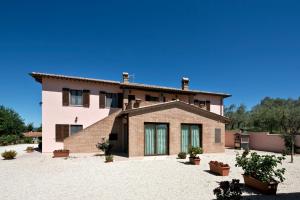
x=111 y=100
x=217 y=135
x=75 y=129
x=151 y=98
x=131 y=98
x=76 y=98
x=113 y=136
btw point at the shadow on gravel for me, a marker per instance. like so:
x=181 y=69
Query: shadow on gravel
x=280 y=196
x=209 y=172
x=185 y=162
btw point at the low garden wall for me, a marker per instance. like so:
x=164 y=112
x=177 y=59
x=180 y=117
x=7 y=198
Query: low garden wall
x=262 y=141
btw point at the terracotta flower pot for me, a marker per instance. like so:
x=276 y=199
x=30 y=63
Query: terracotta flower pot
x=217 y=168
x=266 y=188
x=61 y=153
x=195 y=161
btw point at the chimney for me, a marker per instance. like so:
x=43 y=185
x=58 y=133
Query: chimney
x=185 y=83
x=125 y=77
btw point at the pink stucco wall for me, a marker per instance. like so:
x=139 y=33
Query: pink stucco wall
x=261 y=141
x=54 y=113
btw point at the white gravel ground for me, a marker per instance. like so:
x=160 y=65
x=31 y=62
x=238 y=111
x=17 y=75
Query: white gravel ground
x=85 y=176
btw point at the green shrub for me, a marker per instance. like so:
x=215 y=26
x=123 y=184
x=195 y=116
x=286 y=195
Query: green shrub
x=194 y=151
x=8 y=155
x=228 y=191
x=27 y=140
x=182 y=155
x=30 y=149
x=109 y=158
x=8 y=140
x=261 y=167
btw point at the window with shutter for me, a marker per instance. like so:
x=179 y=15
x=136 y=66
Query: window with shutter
x=217 y=135
x=208 y=105
x=102 y=99
x=61 y=132
x=65 y=96
x=86 y=98
x=120 y=100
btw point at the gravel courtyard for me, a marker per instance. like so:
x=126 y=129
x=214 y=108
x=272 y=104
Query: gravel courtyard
x=38 y=176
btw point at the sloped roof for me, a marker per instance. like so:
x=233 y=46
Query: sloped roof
x=39 y=76
x=177 y=104
x=32 y=134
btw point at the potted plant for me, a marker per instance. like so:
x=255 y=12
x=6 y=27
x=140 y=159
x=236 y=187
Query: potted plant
x=261 y=171
x=29 y=149
x=61 y=153
x=109 y=158
x=106 y=147
x=182 y=155
x=194 y=151
x=228 y=190
x=219 y=168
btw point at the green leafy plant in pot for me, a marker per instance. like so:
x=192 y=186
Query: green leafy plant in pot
x=261 y=171
x=106 y=147
x=194 y=158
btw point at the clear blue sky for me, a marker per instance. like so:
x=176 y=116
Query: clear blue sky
x=250 y=49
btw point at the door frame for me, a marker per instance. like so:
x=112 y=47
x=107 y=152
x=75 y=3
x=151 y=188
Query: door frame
x=155 y=134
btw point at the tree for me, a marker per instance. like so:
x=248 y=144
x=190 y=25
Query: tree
x=29 y=127
x=10 y=122
x=238 y=116
x=291 y=122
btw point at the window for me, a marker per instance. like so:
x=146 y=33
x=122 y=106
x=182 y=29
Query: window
x=113 y=137
x=111 y=100
x=75 y=129
x=151 y=98
x=131 y=98
x=76 y=98
x=156 y=139
x=190 y=136
x=217 y=135
x=202 y=104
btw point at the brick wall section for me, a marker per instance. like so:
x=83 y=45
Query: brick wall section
x=174 y=117
x=85 y=141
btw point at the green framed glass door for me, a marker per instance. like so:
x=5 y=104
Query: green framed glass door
x=156 y=139
x=190 y=136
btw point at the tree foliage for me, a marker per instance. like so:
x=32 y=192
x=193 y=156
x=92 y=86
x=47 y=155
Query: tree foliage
x=10 y=122
x=270 y=115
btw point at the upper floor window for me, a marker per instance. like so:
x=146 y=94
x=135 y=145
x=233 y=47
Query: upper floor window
x=76 y=97
x=111 y=100
x=151 y=98
x=202 y=104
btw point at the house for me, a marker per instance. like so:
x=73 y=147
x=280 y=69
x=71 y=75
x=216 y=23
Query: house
x=138 y=119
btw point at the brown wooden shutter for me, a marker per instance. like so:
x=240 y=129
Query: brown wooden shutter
x=58 y=133
x=120 y=100
x=102 y=99
x=86 y=98
x=61 y=132
x=208 y=105
x=65 y=96
x=66 y=132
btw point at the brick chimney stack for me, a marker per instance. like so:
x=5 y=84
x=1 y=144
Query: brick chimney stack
x=185 y=83
x=125 y=77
